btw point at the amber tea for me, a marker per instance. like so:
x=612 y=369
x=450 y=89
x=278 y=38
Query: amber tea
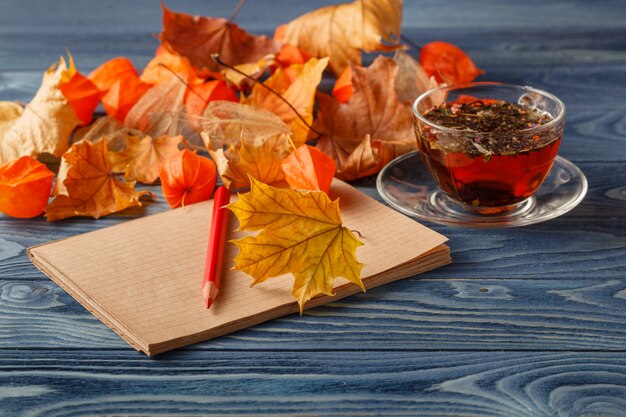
x=489 y=155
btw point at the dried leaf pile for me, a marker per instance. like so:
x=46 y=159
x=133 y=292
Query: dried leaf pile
x=253 y=103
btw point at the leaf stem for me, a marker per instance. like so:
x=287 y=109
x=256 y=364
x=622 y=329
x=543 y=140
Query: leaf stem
x=357 y=232
x=218 y=60
x=236 y=11
x=411 y=43
x=189 y=87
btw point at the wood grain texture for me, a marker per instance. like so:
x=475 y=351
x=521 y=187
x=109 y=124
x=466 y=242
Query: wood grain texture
x=445 y=383
x=413 y=314
x=587 y=246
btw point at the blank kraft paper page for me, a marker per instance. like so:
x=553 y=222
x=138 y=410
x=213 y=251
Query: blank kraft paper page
x=142 y=278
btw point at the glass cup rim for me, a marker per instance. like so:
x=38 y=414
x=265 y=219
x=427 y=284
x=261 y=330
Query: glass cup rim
x=554 y=122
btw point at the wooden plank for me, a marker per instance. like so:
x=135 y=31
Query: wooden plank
x=445 y=383
x=76 y=16
x=413 y=314
x=592 y=238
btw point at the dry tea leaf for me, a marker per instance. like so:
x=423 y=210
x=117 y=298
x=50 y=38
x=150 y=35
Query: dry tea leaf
x=198 y=37
x=301 y=232
x=44 y=125
x=142 y=157
x=297 y=84
x=245 y=141
x=372 y=128
x=341 y=32
x=24 y=187
x=91 y=189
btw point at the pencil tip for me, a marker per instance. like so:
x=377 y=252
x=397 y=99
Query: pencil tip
x=208 y=303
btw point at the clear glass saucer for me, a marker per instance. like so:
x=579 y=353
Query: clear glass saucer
x=408 y=187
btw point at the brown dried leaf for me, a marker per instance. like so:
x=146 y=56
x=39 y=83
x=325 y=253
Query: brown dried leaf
x=91 y=188
x=372 y=127
x=44 y=125
x=197 y=37
x=143 y=156
x=157 y=111
x=341 y=32
x=297 y=84
x=245 y=140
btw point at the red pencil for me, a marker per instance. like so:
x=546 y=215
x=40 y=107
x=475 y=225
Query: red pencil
x=215 y=253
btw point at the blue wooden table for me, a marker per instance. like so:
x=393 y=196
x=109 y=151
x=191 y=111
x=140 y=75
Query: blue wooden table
x=525 y=322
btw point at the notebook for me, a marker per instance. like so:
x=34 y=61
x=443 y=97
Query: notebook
x=142 y=278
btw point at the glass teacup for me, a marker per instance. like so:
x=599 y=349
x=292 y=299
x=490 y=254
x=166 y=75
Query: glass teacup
x=498 y=169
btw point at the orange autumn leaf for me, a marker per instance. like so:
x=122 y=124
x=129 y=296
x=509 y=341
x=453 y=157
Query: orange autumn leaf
x=203 y=94
x=291 y=54
x=142 y=157
x=111 y=71
x=91 y=189
x=252 y=70
x=187 y=178
x=308 y=168
x=372 y=128
x=245 y=141
x=156 y=71
x=343 y=89
x=198 y=37
x=297 y=84
x=448 y=63
x=412 y=80
x=123 y=95
x=83 y=96
x=300 y=232
x=25 y=185
x=44 y=125
x=342 y=31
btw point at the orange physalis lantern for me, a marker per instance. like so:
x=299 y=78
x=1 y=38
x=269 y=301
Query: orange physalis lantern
x=448 y=63
x=308 y=168
x=187 y=178
x=25 y=185
x=343 y=89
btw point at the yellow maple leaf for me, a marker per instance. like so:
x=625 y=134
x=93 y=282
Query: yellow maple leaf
x=297 y=84
x=142 y=157
x=91 y=189
x=45 y=124
x=301 y=233
x=245 y=140
x=342 y=31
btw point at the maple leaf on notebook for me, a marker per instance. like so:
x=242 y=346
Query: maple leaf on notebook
x=301 y=232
